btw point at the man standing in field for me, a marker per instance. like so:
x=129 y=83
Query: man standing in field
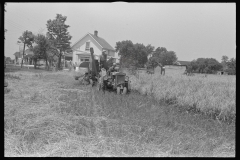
x=163 y=70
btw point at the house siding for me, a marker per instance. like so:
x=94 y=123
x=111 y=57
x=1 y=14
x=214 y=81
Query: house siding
x=81 y=45
x=79 y=48
x=111 y=53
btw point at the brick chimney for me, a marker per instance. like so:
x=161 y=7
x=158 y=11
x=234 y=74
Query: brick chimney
x=96 y=33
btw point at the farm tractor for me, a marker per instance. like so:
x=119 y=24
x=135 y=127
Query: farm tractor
x=116 y=81
x=111 y=80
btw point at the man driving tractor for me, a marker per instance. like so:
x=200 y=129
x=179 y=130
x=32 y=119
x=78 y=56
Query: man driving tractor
x=112 y=68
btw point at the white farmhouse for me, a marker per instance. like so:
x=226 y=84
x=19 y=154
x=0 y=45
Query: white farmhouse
x=81 y=49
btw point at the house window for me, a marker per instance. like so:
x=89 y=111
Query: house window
x=87 y=46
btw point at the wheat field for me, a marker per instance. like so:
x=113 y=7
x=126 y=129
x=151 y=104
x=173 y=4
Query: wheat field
x=49 y=114
x=213 y=95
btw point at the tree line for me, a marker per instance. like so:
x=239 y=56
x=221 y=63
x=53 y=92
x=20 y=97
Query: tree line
x=137 y=55
x=54 y=44
x=140 y=56
x=211 y=65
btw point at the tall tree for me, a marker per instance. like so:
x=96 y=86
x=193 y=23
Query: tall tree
x=149 y=49
x=212 y=65
x=36 y=54
x=231 y=66
x=224 y=58
x=152 y=62
x=225 y=63
x=205 y=65
x=44 y=46
x=161 y=55
x=27 y=38
x=133 y=54
x=140 y=54
x=125 y=50
x=59 y=36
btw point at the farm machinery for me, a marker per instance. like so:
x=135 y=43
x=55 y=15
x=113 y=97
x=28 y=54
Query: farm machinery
x=106 y=76
x=116 y=81
x=150 y=70
x=91 y=76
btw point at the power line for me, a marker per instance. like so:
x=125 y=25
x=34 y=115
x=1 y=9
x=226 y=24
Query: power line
x=15 y=23
x=26 y=18
x=20 y=31
x=32 y=22
x=15 y=27
x=24 y=13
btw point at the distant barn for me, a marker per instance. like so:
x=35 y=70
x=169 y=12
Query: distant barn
x=179 y=65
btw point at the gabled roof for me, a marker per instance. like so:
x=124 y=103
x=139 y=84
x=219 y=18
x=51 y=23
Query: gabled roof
x=18 y=54
x=184 y=62
x=103 y=43
x=28 y=52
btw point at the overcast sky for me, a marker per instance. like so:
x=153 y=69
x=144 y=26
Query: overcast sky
x=192 y=30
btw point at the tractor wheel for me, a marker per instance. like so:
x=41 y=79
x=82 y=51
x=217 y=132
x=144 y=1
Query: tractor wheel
x=124 y=90
x=118 y=90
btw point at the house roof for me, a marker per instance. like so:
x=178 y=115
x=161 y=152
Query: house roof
x=18 y=54
x=28 y=52
x=185 y=63
x=102 y=42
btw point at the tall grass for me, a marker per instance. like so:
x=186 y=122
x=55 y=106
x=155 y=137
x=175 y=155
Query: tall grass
x=213 y=95
x=49 y=114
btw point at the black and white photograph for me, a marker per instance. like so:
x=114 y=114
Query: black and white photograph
x=119 y=79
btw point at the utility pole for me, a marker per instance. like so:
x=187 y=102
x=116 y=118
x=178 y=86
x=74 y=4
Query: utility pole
x=19 y=48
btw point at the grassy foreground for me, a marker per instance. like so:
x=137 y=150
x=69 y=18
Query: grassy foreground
x=49 y=114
